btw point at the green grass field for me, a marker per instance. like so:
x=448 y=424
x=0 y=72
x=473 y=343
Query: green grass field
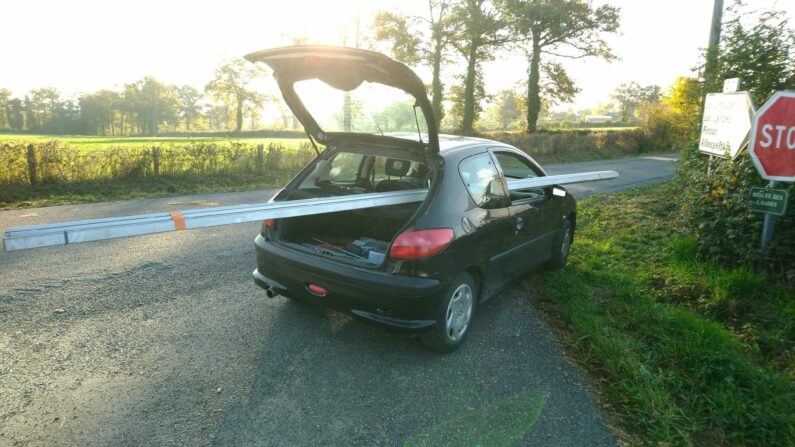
x=682 y=351
x=93 y=142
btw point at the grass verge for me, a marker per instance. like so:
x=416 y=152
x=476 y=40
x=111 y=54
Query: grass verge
x=682 y=351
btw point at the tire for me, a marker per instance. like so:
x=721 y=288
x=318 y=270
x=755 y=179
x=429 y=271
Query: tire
x=560 y=251
x=454 y=316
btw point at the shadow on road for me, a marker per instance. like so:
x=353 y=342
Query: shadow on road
x=326 y=378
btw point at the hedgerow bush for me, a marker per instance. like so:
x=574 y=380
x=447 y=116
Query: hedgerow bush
x=715 y=206
x=580 y=144
x=56 y=163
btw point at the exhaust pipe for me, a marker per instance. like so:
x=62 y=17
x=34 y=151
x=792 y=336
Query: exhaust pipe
x=272 y=288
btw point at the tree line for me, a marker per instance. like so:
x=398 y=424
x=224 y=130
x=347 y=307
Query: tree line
x=451 y=35
x=468 y=31
x=143 y=107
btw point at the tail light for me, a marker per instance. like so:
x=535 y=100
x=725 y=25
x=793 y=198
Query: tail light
x=420 y=244
x=268 y=226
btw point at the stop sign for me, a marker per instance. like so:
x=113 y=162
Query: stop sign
x=772 y=144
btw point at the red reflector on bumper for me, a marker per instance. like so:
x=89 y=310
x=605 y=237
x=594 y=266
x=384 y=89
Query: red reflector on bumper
x=317 y=290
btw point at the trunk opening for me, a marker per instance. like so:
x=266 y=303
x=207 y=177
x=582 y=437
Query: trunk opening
x=361 y=237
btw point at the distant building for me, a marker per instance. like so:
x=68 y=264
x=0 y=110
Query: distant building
x=598 y=118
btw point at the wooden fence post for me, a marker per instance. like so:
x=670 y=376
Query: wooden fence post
x=32 y=165
x=260 y=156
x=156 y=160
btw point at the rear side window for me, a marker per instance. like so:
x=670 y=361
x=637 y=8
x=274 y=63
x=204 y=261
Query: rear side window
x=514 y=166
x=483 y=182
x=345 y=167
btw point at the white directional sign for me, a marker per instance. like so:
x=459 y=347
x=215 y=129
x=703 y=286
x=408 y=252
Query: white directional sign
x=727 y=123
x=731 y=85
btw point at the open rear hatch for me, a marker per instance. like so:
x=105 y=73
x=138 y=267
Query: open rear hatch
x=309 y=75
x=374 y=115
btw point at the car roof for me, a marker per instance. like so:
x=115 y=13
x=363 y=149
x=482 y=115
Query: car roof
x=448 y=142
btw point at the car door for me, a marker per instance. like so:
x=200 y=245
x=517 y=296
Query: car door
x=490 y=219
x=531 y=210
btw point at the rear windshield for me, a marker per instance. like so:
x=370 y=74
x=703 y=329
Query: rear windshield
x=371 y=108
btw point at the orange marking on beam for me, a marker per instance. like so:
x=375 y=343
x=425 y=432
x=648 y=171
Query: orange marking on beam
x=179 y=220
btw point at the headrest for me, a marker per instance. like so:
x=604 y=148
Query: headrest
x=396 y=168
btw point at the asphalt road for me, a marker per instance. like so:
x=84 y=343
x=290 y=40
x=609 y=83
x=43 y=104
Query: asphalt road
x=164 y=340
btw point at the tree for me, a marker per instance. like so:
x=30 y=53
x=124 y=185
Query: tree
x=570 y=29
x=98 y=112
x=397 y=116
x=189 y=107
x=413 y=46
x=16 y=114
x=684 y=95
x=629 y=96
x=39 y=108
x=762 y=55
x=458 y=96
x=153 y=102
x=217 y=115
x=5 y=104
x=502 y=112
x=230 y=85
x=555 y=86
x=479 y=32
x=676 y=115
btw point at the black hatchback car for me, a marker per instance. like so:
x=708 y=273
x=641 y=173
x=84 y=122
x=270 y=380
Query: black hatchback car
x=422 y=267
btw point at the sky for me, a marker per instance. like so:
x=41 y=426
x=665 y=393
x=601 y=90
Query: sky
x=86 y=45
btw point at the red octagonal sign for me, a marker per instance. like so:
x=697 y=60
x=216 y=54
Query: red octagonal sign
x=772 y=144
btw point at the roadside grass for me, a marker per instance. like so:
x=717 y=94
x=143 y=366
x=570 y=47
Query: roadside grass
x=682 y=351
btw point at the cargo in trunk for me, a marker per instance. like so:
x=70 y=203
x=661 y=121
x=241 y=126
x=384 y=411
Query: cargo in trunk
x=360 y=236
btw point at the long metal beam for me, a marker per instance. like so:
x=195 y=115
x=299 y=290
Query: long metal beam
x=20 y=238
x=565 y=179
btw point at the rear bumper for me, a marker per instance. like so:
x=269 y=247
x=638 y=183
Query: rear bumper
x=405 y=302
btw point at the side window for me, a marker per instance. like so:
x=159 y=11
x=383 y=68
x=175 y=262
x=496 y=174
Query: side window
x=345 y=167
x=483 y=182
x=514 y=166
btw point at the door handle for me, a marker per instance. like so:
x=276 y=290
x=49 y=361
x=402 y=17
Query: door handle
x=519 y=223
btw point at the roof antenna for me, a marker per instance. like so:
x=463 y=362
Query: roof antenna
x=417 y=120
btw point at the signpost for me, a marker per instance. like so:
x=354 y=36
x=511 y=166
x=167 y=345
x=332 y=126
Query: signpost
x=772 y=149
x=727 y=121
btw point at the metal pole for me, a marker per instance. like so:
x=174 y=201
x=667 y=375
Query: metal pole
x=712 y=53
x=714 y=31
x=767 y=227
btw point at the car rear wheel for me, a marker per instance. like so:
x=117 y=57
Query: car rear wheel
x=454 y=316
x=560 y=252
